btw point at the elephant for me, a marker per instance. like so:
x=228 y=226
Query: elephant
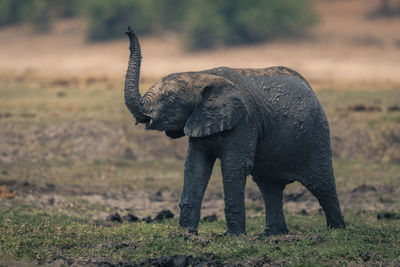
x=267 y=123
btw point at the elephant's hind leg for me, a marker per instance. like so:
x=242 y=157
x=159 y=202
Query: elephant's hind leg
x=272 y=193
x=322 y=185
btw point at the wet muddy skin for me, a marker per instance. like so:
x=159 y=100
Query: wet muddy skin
x=267 y=123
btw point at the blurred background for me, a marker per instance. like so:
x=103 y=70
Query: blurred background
x=323 y=39
x=68 y=143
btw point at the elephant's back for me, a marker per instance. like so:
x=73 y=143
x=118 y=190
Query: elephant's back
x=270 y=71
x=291 y=107
x=287 y=97
x=280 y=97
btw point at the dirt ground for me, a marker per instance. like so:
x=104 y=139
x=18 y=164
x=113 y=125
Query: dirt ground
x=144 y=203
x=347 y=44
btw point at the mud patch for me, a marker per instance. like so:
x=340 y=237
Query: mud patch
x=388 y=216
x=75 y=262
x=364 y=108
x=24 y=187
x=164 y=214
x=138 y=205
x=210 y=218
x=363 y=188
x=394 y=108
x=161 y=216
x=6 y=115
x=174 y=260
x=207 y=259
x=182 y=260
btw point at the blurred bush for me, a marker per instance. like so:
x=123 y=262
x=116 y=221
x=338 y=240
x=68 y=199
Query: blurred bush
x=108 y=18
x=13 y=11
x=387 y=8
x=204 y=23
x=37 y=13
x=210 y=22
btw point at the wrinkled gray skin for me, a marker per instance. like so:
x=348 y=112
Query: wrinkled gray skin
x=264 y=122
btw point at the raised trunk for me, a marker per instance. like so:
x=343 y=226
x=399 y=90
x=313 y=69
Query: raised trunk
x=133 y=99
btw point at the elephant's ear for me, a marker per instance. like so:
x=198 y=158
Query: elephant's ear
x=220 y=107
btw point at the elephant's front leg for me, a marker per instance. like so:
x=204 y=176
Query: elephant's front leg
x=198 y=168
x=234 y=172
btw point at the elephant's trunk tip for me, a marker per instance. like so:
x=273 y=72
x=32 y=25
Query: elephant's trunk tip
x=130 y=32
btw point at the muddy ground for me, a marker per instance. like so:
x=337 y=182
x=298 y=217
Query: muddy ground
x=143 y=203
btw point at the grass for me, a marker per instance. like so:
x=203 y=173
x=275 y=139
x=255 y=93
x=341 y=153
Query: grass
x=33 y=235
x=353 y=173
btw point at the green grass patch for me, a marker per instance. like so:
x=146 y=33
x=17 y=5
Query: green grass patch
x=32 y=235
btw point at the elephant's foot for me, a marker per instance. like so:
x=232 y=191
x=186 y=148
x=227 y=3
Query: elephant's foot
x=275 y=230
x=228 y=233
x=187 y=231
x=336 y=220
x=189 y=217
x=234 y=233
x=235 y=221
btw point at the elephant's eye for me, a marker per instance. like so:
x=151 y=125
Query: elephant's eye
x=170 y=100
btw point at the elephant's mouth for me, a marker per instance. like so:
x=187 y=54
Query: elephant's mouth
x=174 y=134
x=146 y=121
x=149 y=123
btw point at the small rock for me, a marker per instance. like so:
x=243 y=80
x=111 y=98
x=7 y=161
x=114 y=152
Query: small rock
x=50 y=187
x=51 y=201
x=147 y=219
x=128 y=153
x=303 y=212
x=61 y=94
x=122 y=245
x=363 y=188
x=115 y=217
x=130 y=218
x=363 y=108
x=164 y=214
x=394 y=108
x=210 y=218
x=366 y=256
x=388 y=215
x=157 y=196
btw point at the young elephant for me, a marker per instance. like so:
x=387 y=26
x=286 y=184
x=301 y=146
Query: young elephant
x=263 y=122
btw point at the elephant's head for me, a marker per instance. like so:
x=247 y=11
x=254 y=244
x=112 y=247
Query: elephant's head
x=191 y=103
